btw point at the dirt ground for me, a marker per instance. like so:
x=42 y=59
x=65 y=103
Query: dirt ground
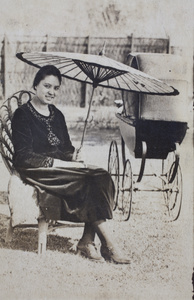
x=161 y=265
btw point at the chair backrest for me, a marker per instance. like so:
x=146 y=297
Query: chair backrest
x=6 y=113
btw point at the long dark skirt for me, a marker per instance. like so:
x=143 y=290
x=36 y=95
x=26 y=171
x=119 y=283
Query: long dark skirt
x=71 y=194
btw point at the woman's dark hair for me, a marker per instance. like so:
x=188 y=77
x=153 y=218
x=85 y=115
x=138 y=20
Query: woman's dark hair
x=46 y=71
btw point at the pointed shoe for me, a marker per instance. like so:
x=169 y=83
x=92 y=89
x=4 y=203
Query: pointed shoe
x=112 y=255
x=89 y=251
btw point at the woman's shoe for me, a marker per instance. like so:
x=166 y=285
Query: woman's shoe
x=89 y=251
x=111 y=255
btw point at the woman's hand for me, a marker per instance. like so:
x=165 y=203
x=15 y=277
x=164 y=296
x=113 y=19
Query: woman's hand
x=78 y=155
x=68 y=164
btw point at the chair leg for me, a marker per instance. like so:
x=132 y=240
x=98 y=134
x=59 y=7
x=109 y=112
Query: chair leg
x=9 y=233
x=42 y=236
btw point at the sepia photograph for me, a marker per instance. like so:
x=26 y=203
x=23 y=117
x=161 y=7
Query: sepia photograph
x=96 y=150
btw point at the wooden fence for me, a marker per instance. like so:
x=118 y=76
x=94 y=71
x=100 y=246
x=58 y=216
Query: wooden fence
x=16 y=75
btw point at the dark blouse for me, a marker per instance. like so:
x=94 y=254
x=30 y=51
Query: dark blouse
x=38 y=139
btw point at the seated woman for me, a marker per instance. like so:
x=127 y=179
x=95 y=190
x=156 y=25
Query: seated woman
x=67 y=189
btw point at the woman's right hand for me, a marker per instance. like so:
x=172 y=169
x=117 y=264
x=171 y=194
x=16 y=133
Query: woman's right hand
x=78 y=155
x=68 y=164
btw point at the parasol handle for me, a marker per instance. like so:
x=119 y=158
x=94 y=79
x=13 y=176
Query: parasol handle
x=86 y=120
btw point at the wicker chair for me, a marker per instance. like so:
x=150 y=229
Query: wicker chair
x=22 y=198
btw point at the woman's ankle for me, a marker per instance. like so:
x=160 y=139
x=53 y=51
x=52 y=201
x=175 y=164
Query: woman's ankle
x=85 y=241
x=88 y=235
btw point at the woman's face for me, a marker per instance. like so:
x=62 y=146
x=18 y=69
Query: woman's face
x=47 y=89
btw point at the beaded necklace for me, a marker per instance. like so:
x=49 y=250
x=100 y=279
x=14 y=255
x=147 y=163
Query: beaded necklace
x=52 y=138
